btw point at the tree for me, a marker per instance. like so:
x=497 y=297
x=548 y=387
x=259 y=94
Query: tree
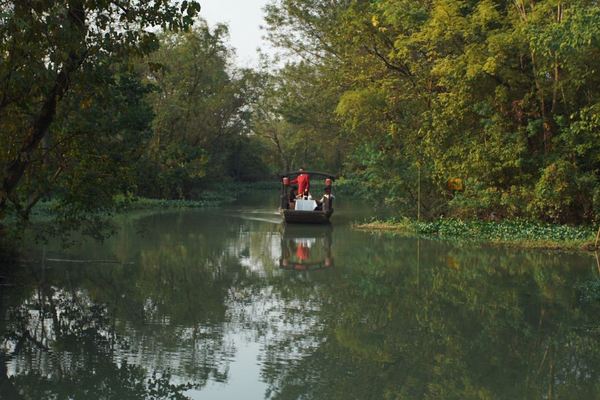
x=47 y=50
x=202 y=105
x=496 y=93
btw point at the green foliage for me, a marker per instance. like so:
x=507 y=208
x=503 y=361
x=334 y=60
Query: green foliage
x=72 y=113
x=293 y=119
x=499 y=94
x=479 y=201
x=200 y=132
x=558 y=193
x=518 y=232
x=504 y=231
x=96 y=102
x=207 y=199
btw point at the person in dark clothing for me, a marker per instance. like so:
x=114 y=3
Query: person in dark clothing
x=325 y=202
x=292 y=197
x=292 y=193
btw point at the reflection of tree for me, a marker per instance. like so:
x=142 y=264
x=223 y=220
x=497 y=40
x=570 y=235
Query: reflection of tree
x=119 y=329
x=386 y=323
x=63 y=344
x=479 y=324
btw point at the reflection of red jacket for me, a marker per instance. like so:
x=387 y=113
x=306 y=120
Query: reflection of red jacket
x=302 y=252
x=303 y=181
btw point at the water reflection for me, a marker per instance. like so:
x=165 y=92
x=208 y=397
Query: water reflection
x=58 y=340
x=306 y=248
x=200 y=305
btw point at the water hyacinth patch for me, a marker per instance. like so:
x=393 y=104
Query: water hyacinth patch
x=519 y=232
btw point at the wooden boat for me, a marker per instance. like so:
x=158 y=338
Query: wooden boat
x=291 y=214
x=306 y=217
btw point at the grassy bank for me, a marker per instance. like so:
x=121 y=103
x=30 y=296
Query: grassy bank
x=213 y=196
x=208 y=199
x=519 y=233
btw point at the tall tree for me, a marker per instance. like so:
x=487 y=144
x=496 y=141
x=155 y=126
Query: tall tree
x=202 y=104
x=47 y=48
x=499 y=94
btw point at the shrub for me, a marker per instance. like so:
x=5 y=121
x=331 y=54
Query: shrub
x=563 y=194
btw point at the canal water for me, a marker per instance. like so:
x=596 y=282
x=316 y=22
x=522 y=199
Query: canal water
x=229 y=303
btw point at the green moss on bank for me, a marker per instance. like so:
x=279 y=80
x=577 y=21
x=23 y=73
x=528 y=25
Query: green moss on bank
x=519 y=233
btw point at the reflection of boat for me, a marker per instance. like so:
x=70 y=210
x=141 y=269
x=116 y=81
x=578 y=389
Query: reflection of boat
x=306 y=248
x=312 y=212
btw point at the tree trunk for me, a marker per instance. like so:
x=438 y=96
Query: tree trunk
x=14 y=170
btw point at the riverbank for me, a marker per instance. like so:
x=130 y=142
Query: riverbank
x=214 y=196
x=48 y=219
x=210 y=199
x=515 y=233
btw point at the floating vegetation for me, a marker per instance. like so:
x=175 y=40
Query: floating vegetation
x=520 y=232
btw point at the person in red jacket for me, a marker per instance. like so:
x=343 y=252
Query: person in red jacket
x=303 y=182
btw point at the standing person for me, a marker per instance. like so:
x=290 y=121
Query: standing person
x=303 y=181
x=325 y=202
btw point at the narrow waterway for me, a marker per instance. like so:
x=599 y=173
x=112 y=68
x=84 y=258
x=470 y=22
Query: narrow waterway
x=230 y=304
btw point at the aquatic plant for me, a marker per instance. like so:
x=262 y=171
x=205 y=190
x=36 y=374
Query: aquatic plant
x=521 y=232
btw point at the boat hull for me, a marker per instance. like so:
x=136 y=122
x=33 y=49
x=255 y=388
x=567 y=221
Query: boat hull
x=306 y=217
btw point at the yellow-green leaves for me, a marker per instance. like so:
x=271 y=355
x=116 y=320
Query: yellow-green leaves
x=496 y=91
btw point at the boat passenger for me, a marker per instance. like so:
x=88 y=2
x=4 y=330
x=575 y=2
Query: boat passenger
x=306 y=195
x=293 y=193
x=292 y=197
x=325 y=202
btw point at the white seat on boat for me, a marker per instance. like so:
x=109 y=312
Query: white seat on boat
x=306 y=205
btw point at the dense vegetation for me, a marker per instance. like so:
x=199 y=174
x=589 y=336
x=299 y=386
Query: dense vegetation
x=513 y=232
x=105 y=99
x=464 y=108
x=202 y=107
x=501 y=96
x=72 y=114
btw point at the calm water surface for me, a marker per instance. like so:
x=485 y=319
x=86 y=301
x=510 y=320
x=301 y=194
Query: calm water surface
x=230 y=304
